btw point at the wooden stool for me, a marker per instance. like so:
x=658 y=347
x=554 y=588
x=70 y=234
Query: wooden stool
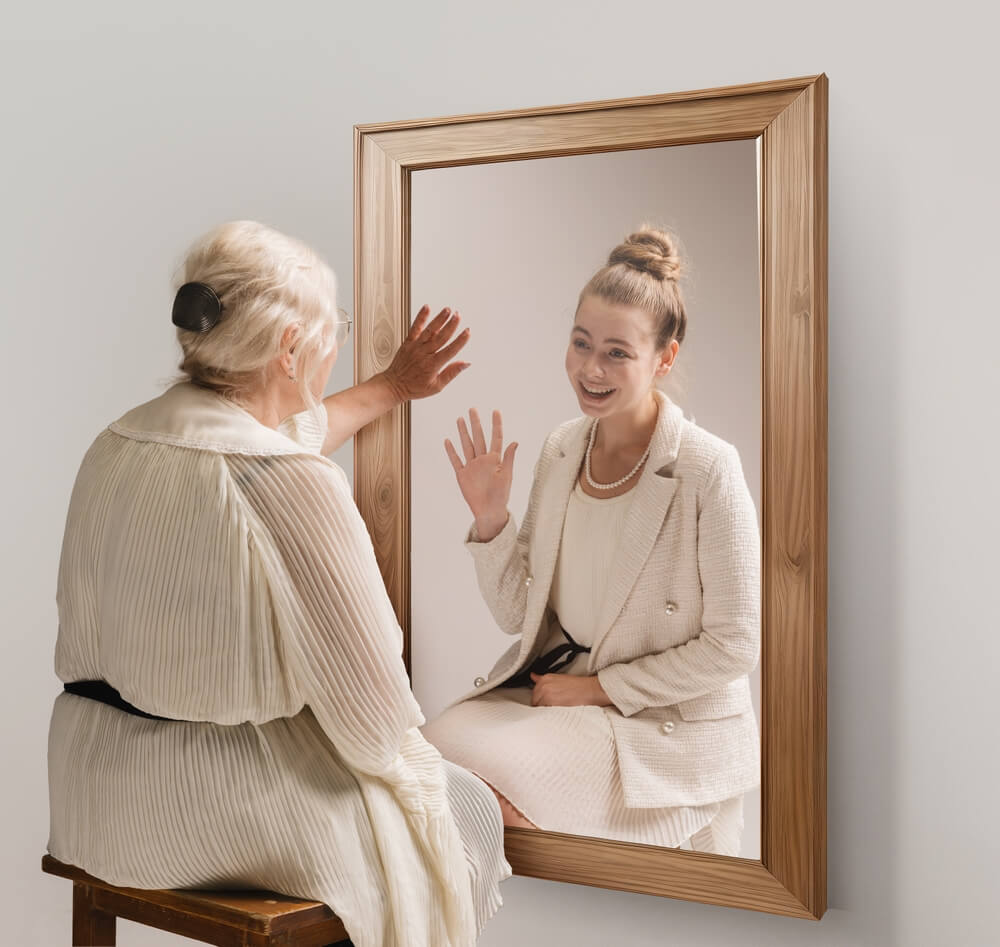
x=223 y=918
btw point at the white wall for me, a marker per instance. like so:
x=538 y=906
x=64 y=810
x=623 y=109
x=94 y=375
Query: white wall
x=128 y=129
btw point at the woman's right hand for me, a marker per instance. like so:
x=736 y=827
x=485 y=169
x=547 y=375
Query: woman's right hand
x=486 y=475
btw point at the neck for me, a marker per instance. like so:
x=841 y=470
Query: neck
x=628 y=431
x=270 y=405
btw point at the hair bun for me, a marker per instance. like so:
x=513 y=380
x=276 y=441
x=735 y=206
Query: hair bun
x=648 y=251
x=197 y=308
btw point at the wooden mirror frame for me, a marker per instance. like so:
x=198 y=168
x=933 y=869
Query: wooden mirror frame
x=791 y=117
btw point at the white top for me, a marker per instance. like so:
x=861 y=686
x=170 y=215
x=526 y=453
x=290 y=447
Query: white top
x=591 y=535
x=217 y=571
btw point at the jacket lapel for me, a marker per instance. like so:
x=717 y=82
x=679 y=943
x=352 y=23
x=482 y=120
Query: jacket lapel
x=653 y=494
x=549 y=518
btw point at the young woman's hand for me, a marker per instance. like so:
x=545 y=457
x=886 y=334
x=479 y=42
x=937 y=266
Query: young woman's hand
x=486 y=475
x=568 y=690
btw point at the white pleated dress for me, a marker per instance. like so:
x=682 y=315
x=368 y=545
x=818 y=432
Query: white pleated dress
x=217 y=572
x=532 y=754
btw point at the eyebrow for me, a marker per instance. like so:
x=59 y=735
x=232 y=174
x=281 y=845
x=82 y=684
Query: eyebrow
x=618 y=341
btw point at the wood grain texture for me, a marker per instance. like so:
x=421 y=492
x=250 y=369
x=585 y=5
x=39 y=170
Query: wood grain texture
x=582 y=132
x=92 y=927
x=791 y=118
x=223 y=918
x=794 y=498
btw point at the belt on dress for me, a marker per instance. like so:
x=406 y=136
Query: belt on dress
x=106 y=694
x=549 y=663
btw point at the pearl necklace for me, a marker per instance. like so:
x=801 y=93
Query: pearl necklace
x=617 y=483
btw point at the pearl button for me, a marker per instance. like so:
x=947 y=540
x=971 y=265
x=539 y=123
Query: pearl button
x=667 y=726
x=528 y=580
x=479 y=681
x=670 y=608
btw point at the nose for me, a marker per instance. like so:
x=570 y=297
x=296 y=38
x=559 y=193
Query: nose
x=592 y=366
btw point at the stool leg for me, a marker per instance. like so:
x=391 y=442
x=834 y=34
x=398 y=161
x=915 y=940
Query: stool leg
x=91 y=927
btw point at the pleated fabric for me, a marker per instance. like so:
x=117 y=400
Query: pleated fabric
x=218 y=572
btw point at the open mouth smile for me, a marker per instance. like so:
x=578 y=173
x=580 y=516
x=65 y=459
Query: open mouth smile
x=597 y=394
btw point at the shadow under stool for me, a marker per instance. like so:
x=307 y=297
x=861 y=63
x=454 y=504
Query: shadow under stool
x=222 y=918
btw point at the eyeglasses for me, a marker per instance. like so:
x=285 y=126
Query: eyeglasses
x=343 y=327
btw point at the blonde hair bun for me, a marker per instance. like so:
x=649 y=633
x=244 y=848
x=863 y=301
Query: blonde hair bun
x=643 y=272
x=649 y=251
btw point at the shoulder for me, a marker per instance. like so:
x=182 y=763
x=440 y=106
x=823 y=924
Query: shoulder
x=560 y=438
x=704 y=458
x=565 y=432
x=306 y=475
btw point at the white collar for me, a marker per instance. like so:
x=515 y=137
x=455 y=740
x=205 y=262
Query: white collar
x=187 y=415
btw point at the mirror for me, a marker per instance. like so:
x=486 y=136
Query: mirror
x=505 y=217
x=510 y=245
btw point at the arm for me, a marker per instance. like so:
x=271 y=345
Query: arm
x=728 y=645
x=350 y=410
x=337 y=623
x=502 y=564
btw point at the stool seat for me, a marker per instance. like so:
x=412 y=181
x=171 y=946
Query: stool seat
x=223 y=918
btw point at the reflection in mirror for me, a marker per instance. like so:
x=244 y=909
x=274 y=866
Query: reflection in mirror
x=652 y=734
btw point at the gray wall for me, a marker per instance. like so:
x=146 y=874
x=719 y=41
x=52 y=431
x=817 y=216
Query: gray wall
x=128 y=129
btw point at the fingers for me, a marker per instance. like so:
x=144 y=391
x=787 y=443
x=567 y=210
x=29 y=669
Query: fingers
x=436 y=324
x=456 y=461
x=463 y=433
x=447 y=375
x=496 y=443
x=438 y=335
x=508 y=458
x=478 y=438
x=453 y=347
x=419 y=322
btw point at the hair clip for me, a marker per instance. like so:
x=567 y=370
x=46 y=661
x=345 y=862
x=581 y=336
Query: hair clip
x=197 y=307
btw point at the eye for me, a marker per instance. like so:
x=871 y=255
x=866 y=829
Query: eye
x=579 y=344
x=619 y=354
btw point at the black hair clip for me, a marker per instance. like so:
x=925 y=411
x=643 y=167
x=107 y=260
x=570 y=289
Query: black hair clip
x=196 y=307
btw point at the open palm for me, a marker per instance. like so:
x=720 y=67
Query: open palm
x=486 y=475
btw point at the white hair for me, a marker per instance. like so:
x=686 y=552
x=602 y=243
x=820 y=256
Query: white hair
x=267 y=282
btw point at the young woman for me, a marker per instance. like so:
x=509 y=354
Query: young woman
x=236 y=709
x=623 y=711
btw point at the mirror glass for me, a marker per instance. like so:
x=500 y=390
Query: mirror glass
x=510 y=245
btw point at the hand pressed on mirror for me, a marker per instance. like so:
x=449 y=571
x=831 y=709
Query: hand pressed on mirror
x=420 y=366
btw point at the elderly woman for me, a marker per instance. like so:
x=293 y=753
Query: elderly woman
x=236 y=711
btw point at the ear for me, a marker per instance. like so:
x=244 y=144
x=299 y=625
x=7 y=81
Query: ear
x=288 y=340
x=666 y=358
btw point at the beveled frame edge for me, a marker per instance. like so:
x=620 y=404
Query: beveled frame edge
x=791 y=118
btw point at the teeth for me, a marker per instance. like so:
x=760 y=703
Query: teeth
x=596 y=391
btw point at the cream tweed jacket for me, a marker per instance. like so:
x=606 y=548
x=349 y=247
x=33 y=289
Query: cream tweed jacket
x=680 y=628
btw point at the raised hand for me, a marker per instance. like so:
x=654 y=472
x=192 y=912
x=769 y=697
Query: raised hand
x=420 y=366
x=486 y=475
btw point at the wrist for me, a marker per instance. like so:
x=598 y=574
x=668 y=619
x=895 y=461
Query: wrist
x=488 y=528
x=600 y=694
x=390 y=393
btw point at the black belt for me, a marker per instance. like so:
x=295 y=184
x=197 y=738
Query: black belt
x=106 y=694
x=549 y=663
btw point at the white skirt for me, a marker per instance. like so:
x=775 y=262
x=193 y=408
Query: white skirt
x=167 y=804
x=532 y=756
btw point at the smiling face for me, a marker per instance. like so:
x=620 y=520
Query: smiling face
x=611 y=360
